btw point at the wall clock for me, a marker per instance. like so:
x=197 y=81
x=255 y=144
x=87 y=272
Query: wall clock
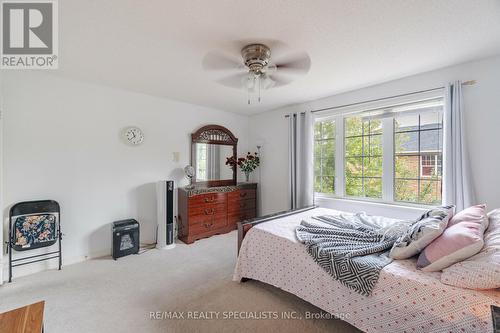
x=133 y=136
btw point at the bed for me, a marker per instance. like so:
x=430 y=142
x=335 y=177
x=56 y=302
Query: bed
x=403 y=300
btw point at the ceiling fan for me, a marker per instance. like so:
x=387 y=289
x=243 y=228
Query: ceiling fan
x=257 y=70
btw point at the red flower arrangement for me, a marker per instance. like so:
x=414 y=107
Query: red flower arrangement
x=247 y=164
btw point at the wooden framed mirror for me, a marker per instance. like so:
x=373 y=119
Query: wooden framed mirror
x=211 y=145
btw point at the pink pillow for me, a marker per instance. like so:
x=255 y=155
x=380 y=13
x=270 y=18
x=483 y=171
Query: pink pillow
x=460 y=240
x=476 y=214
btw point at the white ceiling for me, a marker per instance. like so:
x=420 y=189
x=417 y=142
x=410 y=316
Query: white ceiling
x=157 y=47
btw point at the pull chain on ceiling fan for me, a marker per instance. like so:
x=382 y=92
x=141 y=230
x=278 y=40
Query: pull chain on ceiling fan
x=256 y=72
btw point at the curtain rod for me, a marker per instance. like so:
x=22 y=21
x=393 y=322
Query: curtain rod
x=466 y=83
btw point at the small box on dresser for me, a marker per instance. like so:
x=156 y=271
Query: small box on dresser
x=207 y=211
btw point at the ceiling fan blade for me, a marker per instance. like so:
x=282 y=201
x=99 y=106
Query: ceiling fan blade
x=294 y=64
x=271 y=68
x=266 y=82
x=234 y=81
x=279 y=80
x=219 y=61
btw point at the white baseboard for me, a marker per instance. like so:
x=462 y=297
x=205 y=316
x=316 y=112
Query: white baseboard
x=46 y=265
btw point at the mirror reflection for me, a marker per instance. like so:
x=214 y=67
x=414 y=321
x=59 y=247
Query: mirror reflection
x=211 y=162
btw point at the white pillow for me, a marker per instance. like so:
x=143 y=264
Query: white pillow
x=422 y=232
x=481 y=271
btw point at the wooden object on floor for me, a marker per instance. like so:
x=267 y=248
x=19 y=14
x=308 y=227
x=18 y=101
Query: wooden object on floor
x=204 y=212
x=27 y=319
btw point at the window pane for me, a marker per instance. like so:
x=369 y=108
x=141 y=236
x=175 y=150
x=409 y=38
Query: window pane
x=373 y=145
x=324 y=130
x=419 y=154
x=328 y=166
x=406 y=122
x=406 y=166
x=372 y=126
x=431 y=166
x=372 y=166
x=354 y=146
x=317 y=184
x=354 y=166
x=328 y=148
x=318 y=147
x=406 y=190
x=317 y=130
x=430 y=192
x=353 y=126
x=431 y=118
x=317 y=166
x=373 y=187
x=327 y=184
x=324 y=156
x=354 y=187
x=363 y=156
x=431 y=141
x=406 y=142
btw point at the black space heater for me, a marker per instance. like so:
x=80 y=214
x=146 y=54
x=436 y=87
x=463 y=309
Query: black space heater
x=125 y=238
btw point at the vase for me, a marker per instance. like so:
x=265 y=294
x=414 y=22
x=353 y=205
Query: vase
x=247 y=176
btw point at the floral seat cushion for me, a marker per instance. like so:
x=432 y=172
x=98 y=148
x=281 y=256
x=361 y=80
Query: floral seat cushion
x=34 y=231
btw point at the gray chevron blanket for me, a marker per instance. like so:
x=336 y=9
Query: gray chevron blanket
x=351 y=248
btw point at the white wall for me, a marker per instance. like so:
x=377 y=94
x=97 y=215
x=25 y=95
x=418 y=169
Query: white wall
x=1 y=178
x=482 y=105
x=62 y=142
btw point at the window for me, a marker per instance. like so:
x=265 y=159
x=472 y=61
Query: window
x=431 y=165
x=418 y=143
x=324 y=156
x=363 y=157
x=201 y=154
x=390 y=154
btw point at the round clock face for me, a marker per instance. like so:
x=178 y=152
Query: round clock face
x=133 y=136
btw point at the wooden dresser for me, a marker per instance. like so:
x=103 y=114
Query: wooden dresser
x=206 y=211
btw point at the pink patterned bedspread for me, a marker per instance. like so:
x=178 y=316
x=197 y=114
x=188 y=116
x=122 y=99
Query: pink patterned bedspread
x=404 y=299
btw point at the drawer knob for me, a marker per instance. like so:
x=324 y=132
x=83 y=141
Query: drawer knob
x=209 y=211
x=208 y=225
x=243 y=194
x=211 y=199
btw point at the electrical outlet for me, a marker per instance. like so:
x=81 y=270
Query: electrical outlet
x=175 y=156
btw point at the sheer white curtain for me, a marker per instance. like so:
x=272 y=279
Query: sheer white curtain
x=300 y=159
x=457 y=184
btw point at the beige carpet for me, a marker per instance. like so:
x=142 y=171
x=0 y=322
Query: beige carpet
x=103 y=295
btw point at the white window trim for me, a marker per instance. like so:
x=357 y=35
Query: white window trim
x=388 y=160
x=339 y=156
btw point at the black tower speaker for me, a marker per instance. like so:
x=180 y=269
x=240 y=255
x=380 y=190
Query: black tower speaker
x=170 y=212
x=165 y=203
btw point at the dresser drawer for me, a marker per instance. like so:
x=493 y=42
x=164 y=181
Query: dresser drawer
x=233 y=218
x=240 y=205
x=201 y=224
x=207 y=210
x=206 y=199
x=242 y=194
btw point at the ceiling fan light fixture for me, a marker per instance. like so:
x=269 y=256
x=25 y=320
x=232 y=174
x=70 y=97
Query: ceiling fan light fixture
x=256 y=58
